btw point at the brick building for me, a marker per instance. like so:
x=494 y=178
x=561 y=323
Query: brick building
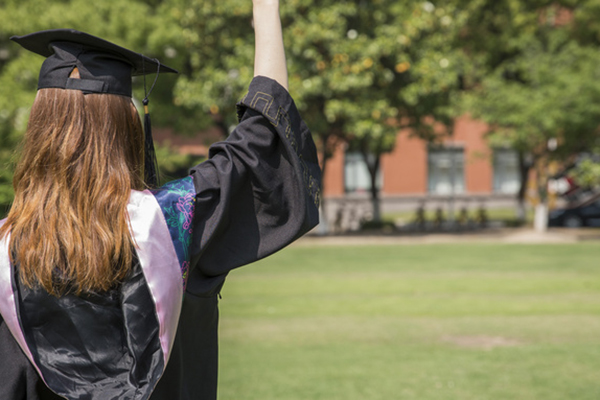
x=462 y=171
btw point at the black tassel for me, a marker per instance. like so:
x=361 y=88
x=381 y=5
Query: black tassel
x=150 y=163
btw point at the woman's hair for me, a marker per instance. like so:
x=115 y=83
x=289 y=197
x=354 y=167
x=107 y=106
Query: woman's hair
x=82 y=154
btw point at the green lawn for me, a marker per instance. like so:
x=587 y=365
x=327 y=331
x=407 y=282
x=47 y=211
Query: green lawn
x=461 y=322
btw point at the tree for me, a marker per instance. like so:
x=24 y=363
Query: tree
x=538 y=90
x=359 y=70
x=216 y=55
x=218 y=39
x=410 y=77
x=127 y=22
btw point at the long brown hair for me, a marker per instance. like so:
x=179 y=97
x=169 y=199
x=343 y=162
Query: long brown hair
x=81 y=156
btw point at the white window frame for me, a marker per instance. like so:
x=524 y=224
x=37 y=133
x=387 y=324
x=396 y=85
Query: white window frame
x=357 y=178
x=446 y=170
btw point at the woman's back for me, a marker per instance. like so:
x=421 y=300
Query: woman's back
x=107 y=288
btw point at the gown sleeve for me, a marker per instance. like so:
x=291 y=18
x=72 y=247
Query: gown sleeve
x=259 y=190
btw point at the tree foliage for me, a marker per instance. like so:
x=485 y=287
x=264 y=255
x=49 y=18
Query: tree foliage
x=359 y=70
x=129 y=23
x=536 y=81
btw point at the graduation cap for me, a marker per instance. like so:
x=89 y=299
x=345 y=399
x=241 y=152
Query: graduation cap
x=103 y=67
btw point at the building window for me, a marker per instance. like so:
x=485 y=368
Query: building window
x=507 y=179
x=356 y=174
x=446 y=171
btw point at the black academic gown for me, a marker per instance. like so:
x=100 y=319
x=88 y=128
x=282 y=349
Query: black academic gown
x=258 y=191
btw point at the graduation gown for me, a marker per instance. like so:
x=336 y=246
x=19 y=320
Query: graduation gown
x=155 y=335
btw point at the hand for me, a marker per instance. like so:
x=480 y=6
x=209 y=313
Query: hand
x=269 y=59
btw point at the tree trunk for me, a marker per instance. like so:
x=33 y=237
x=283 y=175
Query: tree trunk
x=540 y=221
x=375 y=202
x=541 y=211
x=323 y=228
x=373 y=168
x=524 y=168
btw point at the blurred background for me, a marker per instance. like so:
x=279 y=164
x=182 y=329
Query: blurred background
x=474 y=120
x=437 y=115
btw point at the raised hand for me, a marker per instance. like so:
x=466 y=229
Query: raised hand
x=269 y=58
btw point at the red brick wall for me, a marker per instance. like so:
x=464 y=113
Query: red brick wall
x=333 y=180
x=478 y=157
x=405 y=168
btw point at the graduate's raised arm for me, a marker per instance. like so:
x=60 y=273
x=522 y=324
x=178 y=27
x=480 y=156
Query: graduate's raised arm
x=269 y=58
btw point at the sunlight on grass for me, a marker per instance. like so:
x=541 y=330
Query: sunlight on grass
x=440 y=322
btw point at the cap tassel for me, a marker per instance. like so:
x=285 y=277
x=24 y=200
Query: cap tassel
x=150 y=163
x=151 y=173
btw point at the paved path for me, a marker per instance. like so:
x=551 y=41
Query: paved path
x=505 y=235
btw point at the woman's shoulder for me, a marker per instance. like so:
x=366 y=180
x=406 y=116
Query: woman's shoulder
x=176 y=197
x=173 y=192
x=181 y=186
x=175 y=200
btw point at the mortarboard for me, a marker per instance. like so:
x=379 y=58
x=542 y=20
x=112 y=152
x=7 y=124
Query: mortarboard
x=103 y=67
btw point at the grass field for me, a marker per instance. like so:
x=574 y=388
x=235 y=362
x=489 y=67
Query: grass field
x=460 y=322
